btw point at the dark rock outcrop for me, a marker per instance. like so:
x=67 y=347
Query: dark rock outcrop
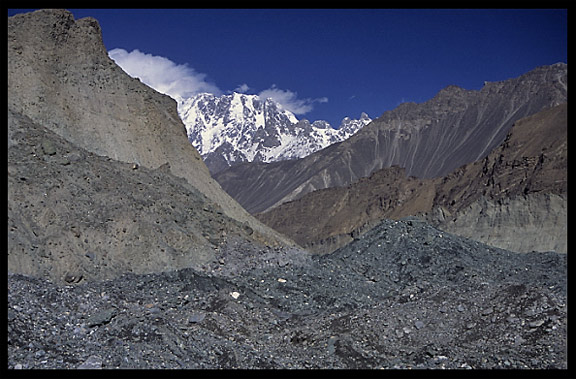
x=516 y=197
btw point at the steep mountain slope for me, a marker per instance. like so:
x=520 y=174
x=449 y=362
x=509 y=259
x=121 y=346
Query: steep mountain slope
x=430 y=139
x=237 y=128
x=75 y=121
x=326 y=219
x=188 y=286
x=75 y=215
x=60 y=75
x=514 y=198
x=523 y=188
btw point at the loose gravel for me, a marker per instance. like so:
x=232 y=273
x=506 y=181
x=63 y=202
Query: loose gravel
x=404 y=295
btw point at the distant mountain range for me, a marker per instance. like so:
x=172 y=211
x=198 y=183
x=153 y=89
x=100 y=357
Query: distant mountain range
x=236 y=128
x=515 y=198
x=430 y=139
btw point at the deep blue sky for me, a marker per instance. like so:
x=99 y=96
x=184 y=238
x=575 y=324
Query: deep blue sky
x=359 y=60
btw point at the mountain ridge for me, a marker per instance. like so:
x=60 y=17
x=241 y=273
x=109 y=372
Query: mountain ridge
x=120 y=261
x=515 y=198
x=65 y=78
x=236 y=128
x=429 y=139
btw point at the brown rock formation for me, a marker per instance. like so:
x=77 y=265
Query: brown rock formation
x=429 y=140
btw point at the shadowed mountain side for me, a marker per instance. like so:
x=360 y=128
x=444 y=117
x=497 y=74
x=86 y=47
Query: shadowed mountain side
x=60 y=76
x=430 y=140
x=515 y=197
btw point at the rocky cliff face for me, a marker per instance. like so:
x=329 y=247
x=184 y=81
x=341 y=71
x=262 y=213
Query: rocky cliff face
x=524 y=223
x=515 y=198
x=430 y=139
x=234 y=128
x=102 y=178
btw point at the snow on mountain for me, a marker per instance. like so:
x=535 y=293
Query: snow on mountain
x=238 y=128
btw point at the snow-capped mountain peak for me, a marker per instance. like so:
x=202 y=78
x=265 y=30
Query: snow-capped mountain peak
x=351 y=126
x=237 y=128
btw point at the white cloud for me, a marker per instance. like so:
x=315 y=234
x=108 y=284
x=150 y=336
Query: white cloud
x=180 y=81
x=289 y=100
x=165 y=76
x=242 y=88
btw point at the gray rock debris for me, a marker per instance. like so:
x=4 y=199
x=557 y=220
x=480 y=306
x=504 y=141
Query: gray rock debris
x=323 y=314
x=93 y=362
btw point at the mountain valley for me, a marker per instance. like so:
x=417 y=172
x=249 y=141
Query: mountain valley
x=429 y=140
x=397 y=244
